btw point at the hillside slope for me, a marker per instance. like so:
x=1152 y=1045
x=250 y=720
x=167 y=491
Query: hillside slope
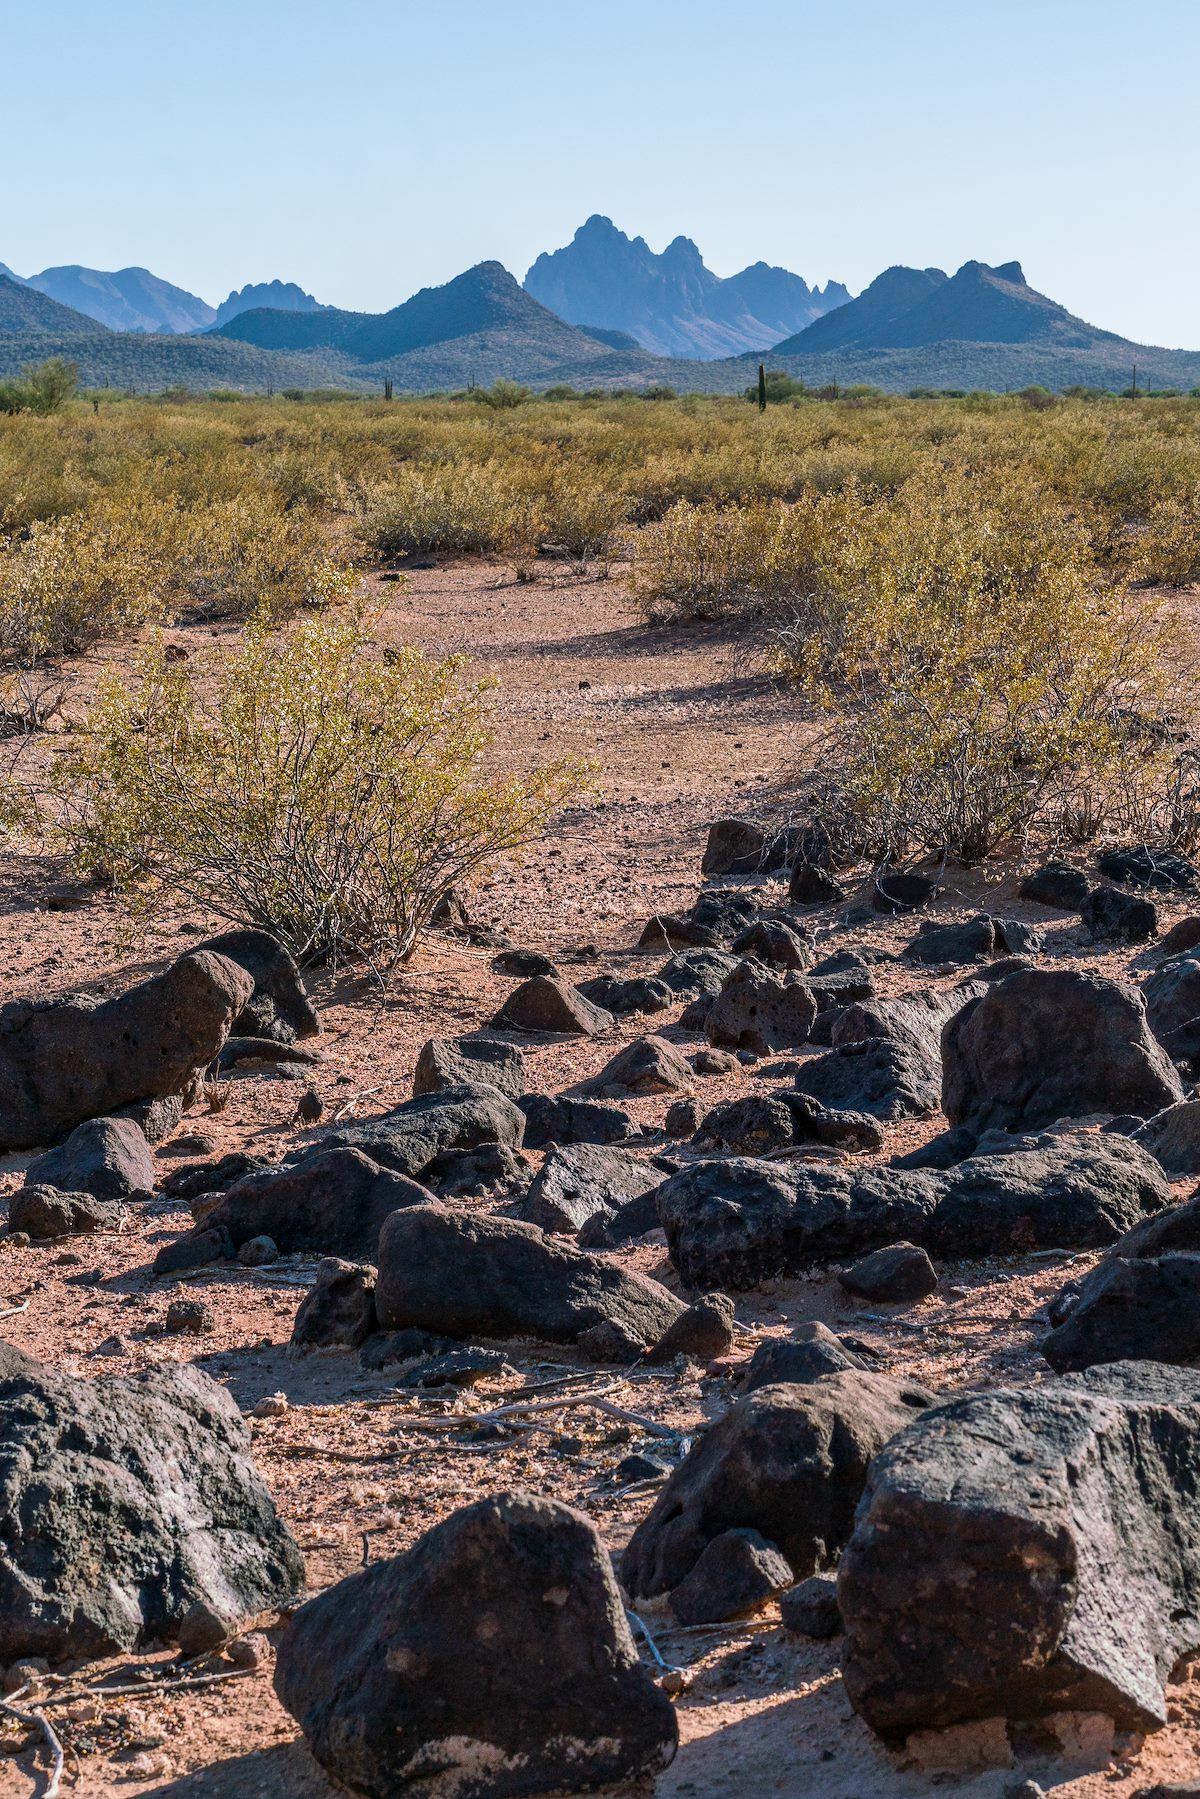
x=26 y=311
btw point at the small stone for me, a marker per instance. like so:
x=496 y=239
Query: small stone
x=25 y=1672
x=188 y=1318
x=250 y=1651
x=202 y=1629
x=704 y=1332
x=714 y=1061
x=309 y=1107
x=272 y=1405
x=736 y=1572
x=1022 y=1789
x=900 y=1273
x=675 y=1681
x=683 y=1118
x=258 y=1252
x=199 y=1144
x=810 y=1608
x=635 y=1468
x=609 y=1342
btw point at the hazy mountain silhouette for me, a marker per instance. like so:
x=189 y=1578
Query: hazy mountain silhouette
x=279 y=296
x=126 y=299
x=671 y=303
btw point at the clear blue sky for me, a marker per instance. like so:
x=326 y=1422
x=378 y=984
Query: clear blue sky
x=366 y=149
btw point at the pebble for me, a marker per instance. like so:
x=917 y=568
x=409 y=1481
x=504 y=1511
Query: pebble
x=188 y=1318
x=273 y=1405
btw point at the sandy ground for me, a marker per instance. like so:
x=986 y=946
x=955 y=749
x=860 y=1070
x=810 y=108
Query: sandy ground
x=682 y=733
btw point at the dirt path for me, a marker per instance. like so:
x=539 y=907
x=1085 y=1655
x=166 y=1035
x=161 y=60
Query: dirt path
x=681 y=734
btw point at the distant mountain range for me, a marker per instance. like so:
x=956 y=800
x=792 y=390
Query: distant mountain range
x=671 y=303
x=983 y=327
x=136 y=300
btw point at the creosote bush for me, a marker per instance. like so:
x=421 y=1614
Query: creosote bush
x=305 y=784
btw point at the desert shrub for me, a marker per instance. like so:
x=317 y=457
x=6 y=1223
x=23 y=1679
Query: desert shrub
x=41 y=388
x=72 y=580
x=980 y=674
x=453 y=507
x=305 y=784
x=502 y=395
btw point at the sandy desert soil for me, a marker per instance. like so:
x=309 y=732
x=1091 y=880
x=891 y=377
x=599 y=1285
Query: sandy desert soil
x=683 y=732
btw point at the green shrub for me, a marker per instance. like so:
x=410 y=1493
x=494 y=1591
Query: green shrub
x=305 y=784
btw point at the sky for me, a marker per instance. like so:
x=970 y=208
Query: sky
x=367 y=149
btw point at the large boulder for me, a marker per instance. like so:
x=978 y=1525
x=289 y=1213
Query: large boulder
x=1059 y=1191
x=1115 y=917
x=574 y=1184
x=1172 y=1137
x=411 y=1137
x=1161 y=869
x=738 y=847
x=442 y=1268
x=49 y=1213
x=130 y=1503
x=1172 y=995
x=1141 y=1302
x=787 y=1461
x=733 y=1223
x=774 y=943
x=1023 y=1552
x=560 y=1119
x=755 y=1011
x=492 y=1659
x=1045 y=1044
x=331 y=1204
x=648 y=1066
x=886 y=1056
x=551 y=1008
x=278 y=1007
x=1056 y=884
x=106 y=1157
x=469 y=1062
x=338 y=1311
x=63 y=1061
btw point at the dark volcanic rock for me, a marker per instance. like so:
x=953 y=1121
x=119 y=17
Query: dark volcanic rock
x=332 y=1204
x=759 y=1123
x=937 y=944
x=755 y=1011
x=811 y=1608
x=48 y=1212
x=1058 y=1509
x=897 y=1274
x=696 y=971
x=813 y=886
x=895 y=893
x=1056 y=1192
x=63 y=1061
x=641 y=994
x=704 y=1332
x=1181 y=937
x=1048 y=1044
x=1057 y=884
x=666 y=930
x=338 y=1311
x=278 y=1007
x=1163 y=870
x=773 y=943
x=551 y=1007
x=1115 y=917
x=738 y=847
x=564 y=1121
x=412 y=1136
x=1172 y=996
x=1173 y=1138
x=1144 y=1309
x=736 y=1573
x=575 y=1183
x=445 y=1269
x=883 y=1077
x=733 y=1223
x=649 y=1066
x=106 y=1157
x=812 y=1351
x=492 y=1659
x=788 y=1461
x=468 y=1061
x=137 y=1501
x=195 y=1178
